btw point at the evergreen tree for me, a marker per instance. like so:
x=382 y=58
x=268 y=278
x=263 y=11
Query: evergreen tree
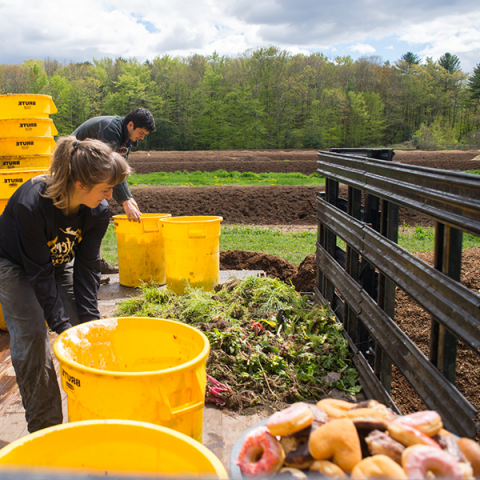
x=411 y=58
x=474 y=83
x=451 y=63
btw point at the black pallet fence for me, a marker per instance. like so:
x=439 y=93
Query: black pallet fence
x=360 y=282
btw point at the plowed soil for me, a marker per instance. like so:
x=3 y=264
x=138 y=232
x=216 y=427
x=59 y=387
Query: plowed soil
x=295 y=207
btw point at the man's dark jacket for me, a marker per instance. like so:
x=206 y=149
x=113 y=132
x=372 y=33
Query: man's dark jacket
x=113 y=131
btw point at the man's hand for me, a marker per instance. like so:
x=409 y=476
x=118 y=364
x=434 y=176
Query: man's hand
x=131 y=209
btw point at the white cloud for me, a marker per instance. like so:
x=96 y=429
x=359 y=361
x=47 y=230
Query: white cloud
x=362 y=48
x=80 y=31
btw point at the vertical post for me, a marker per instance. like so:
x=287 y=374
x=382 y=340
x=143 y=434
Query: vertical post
x=330 y=239
x=447 y=259
x=386 y=292
x=352 y=260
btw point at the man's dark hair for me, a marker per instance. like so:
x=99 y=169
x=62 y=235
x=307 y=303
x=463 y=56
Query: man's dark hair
x=141 y=118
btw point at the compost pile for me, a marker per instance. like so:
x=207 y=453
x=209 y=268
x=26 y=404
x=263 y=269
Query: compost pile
x=270 y=346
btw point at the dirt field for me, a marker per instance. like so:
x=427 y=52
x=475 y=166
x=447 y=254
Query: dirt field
x=282 y=161
x=294 y=207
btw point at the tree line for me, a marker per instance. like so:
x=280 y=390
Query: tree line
x=266 y=98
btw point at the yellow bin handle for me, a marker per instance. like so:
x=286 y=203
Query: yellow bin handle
x=197 y=233
x=150 y=225
x=187 y=407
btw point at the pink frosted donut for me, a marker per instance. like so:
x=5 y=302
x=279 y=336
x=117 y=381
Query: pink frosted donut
x=408 y=435
x=419 y=459
x=427 y=421
x=261 y=454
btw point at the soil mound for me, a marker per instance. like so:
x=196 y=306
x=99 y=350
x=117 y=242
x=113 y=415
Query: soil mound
x=271 y=265
x=304 y=279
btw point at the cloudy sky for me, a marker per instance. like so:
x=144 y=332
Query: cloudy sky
x=91 y=29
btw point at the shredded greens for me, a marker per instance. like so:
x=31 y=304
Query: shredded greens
x=270 y=346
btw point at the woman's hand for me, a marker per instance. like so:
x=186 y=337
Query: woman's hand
x=131 y=209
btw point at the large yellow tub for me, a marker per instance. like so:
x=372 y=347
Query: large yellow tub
x=145 y=369
x=23 y=105
x=18 y=146
x=141 y=253
x=111 y=448
x=27 y=127
x=26 y=161
x=11 y=179
x=192 y=255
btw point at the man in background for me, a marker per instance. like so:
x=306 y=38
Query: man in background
x=121 y=133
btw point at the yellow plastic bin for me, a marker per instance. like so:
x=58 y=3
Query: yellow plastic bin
x=26 y=161
x=192 y=254
x=134 y=368
x=27 y=127
x=26 y=106
x=11 y=179
x=18 y=146
x=141 y=255
x=3 y=325
x=111 y=448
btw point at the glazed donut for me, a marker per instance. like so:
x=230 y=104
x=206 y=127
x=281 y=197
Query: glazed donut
x=290 y=420
x=336 y=440
x=260 y=453
x=335 y=408
x=378 y=466
x=380 y=443
x=327 y=469
x=288 y=473
x=418 y=460
x=372 y=408
x=471 y=450
x=409 y=436
x=428 y=422
x=384 y=415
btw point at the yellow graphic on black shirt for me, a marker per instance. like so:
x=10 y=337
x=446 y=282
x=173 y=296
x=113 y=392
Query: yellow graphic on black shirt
x=63 y=252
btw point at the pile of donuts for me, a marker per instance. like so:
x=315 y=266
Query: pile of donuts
x=339 y=439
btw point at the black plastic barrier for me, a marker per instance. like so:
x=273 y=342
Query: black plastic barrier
x=360 y=282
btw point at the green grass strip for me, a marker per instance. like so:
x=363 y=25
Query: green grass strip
x=222 y=177
x=292 y=246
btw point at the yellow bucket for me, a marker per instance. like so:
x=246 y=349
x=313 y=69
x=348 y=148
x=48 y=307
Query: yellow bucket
x=27 y=127
x=191 y=252
x=26 y=106
x=144 y=369
x=111 y=448
x=141 y=255
x=11 y=179
x=19 y=146
x=3 y=325
x=26 y=161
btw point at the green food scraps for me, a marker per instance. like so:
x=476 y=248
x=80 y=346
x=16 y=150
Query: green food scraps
x=270 y=346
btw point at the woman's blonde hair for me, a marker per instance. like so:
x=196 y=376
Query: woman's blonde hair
x=89 y=161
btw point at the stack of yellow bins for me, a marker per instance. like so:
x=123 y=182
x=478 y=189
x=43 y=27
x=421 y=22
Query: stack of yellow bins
x=26 y=143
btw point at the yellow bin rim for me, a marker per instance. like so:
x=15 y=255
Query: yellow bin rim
x=44 y=120
x=32 y=437
x=58 y=350
x=192 y=219
x=31 y=97
x=143 y=215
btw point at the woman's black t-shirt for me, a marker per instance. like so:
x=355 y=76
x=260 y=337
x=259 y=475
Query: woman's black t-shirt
x=37 y=236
